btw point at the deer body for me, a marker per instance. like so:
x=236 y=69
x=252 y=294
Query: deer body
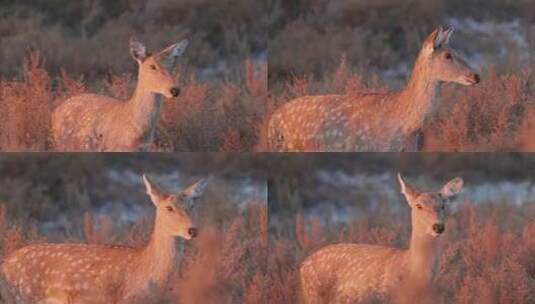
x=94 y=126
x=80 y=273
x=91 y=122
x=370 y=121
x=355 y=273
x=333 y=123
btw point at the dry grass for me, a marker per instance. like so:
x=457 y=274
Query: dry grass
x=494 y=115
x=83 y=47
x=318 y=31
x=62 y=198
x=527 y=129
x=226 y=264
x=486 y=255
x=324 y=47
x=212 y=116
x=223 y=117
x=25 y=105
x=90 y=37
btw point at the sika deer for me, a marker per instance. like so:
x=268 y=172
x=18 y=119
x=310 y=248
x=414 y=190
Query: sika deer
x=371 y=121
x=81 y=273
x=352 y=273
x=91 y=122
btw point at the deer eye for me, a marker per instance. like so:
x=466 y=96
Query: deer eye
x=152 y=66
x=448 y=56
x=169 y=208
x=419 y=206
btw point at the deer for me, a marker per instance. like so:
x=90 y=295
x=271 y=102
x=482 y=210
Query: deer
x=91 y=122
x=64 y=273
x=371 y=121
x=354 y=273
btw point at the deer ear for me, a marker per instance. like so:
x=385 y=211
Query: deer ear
x=452 y=188
x=430 y=42
x=443 y=37
x=177 y=49
x=193 y=192
x=172 y=52
x=152 y=190
x=438 y=38
x=407 y=190
x=137 y=50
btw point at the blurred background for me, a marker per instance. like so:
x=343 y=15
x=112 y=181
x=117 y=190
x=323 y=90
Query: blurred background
x=100 y=199
x=320 y=199
x=90 y=37
x=342 y=187
x=52 y=50
x=383 y=37
x=321 y=47
x=54 y=191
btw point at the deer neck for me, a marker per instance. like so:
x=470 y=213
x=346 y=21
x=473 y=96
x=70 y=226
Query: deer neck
x=158 y=258
x=421 y=257
x=416 y=100
x=145 y=110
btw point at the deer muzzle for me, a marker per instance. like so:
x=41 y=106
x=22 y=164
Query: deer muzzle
x=175 y=92
x=472 y=79
x=193 y=232
x=438 y=228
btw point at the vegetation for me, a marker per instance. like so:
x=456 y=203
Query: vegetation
x=486 y=253
x=90 y=37
x=349 y=47
x=486 y=256
x=87 y=198
x=320 y=31
x=51 y=51
x=205 y=117
x=494 y=115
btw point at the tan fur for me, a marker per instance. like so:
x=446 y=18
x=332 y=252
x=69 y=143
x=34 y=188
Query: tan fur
x=354 y=273
x=91 y=122
x=370 y=121
x=84 y=274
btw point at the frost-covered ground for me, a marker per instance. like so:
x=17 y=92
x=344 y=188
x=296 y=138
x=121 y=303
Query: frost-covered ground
x=341 y=196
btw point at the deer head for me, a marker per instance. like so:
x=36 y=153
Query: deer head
x=173 y=211
x=154 y=73
x=442 y=62
x=428 y=209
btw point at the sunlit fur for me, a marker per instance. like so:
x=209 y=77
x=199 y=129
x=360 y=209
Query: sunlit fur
x=371 y=121
x=91 y=122
x=354 y=273
x=82 y=273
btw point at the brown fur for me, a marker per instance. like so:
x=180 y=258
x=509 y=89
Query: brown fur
x=81 y=273
x=370 y=122
x=355 y=273
x=91 y=122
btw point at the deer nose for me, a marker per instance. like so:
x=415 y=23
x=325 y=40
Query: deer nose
x=438 y=228
x=477 y=78
x=193 y=232
x=175 y=92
